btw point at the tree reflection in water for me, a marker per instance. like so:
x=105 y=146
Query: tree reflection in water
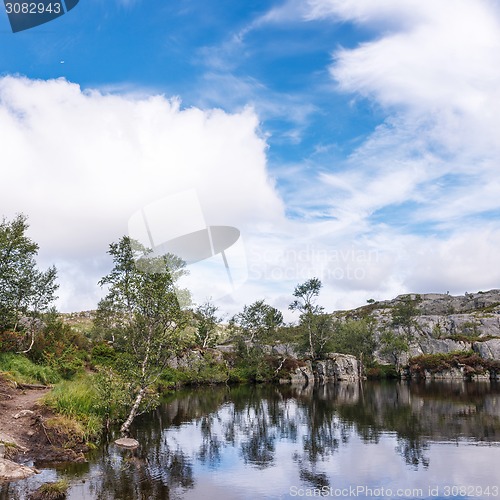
x=298 y=431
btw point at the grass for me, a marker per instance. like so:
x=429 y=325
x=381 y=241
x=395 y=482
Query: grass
x=22 y=370
x=52 y=491
x=469 y=338
x=77 y=399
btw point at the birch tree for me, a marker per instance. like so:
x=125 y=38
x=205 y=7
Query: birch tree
x=143 y=306
x=25 y=291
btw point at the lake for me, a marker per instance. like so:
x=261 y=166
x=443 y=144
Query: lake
x=372 y=440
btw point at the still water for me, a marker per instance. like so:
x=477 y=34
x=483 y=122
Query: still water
x=375 y=440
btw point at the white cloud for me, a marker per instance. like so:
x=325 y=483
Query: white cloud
x=79 y=163
x=432 y=68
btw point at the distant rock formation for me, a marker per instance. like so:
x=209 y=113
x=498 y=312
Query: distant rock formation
x=443 y=324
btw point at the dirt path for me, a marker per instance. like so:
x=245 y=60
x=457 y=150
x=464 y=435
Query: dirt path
x=34 y=438
x=12 y=401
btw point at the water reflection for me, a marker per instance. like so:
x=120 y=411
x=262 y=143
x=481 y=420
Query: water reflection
x=248 y=442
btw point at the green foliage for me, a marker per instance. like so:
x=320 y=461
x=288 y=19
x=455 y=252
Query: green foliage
x=207 y=370
x=257 y=324
x=314 y=325
x=57 y=345
x=24 y=290
x=25 y=371
x=377 y=371
x=144 y=314
x=206 y=324
x=355 y=337
x=113 y=398
x=68 y=362
x=404 y=314
x=393 y=345
x=437 y=331
x=79 y=399
x=103 y=354
x=469 y=361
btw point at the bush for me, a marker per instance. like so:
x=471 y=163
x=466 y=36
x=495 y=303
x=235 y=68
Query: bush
x=469 y=361
x=103 y=354
x=376 y=372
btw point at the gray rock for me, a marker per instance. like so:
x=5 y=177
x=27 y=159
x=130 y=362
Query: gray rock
x=24 y=413
x=10 y=471
x=489 y=349
x=337 y=367
x=127 y=443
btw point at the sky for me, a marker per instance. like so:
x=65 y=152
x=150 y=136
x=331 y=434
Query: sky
x=349 y=140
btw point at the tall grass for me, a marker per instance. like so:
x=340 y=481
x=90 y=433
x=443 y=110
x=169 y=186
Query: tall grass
x=23 y=370
x=78 y=399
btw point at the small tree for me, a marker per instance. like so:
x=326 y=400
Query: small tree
x=255 y=326
x=206 y=324
x=314 y=324
x=147 y=318
x=404 y=314
x=25 y=291
x=393 y=345
x=257 y=323
x=356 y=337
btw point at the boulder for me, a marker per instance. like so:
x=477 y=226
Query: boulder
x=302 y=375
x=489 y=349
x=10 y=471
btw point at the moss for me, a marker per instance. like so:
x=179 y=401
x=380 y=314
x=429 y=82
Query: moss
x=467 y=338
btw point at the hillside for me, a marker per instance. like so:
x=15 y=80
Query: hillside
x=438 y=323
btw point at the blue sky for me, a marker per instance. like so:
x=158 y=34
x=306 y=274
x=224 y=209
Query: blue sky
x=352 y=140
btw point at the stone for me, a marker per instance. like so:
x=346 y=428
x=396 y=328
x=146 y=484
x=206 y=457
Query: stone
x=337 y=367
x=24 y=413
x=10 y=471
x=489 y=349
x=127 y=443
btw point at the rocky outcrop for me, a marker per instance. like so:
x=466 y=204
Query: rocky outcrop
x=439 y=323
x=302 y=375
x=337 y=367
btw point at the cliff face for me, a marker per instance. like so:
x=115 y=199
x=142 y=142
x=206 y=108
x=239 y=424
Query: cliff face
x=440 y=323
